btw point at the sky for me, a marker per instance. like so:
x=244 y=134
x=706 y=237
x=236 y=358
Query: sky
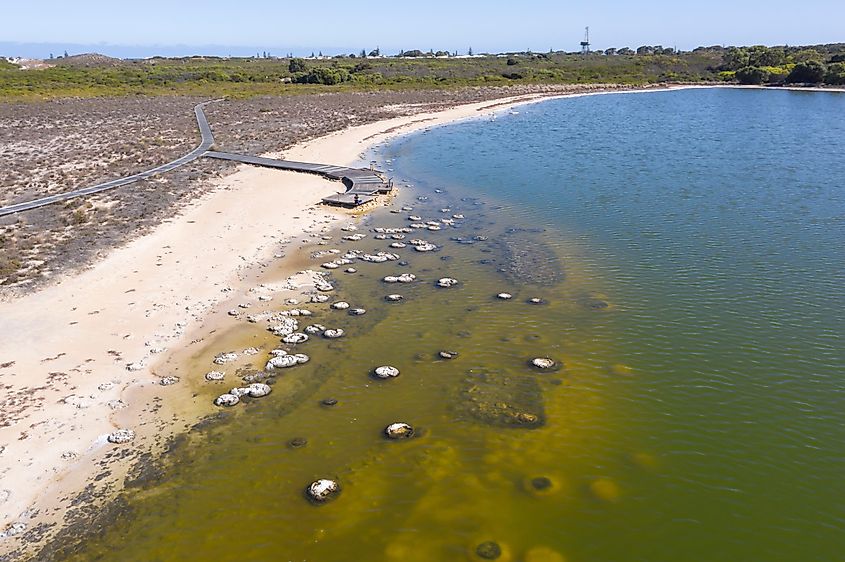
x=182 y=27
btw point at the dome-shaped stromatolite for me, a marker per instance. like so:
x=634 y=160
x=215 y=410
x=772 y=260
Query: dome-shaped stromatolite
x=386 y=372
x=322 y=490
x=399 y=430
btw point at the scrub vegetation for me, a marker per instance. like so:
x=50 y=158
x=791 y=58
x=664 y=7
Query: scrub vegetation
x=96 y=75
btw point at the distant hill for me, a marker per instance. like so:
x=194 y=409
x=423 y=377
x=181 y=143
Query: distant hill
x=88 y=60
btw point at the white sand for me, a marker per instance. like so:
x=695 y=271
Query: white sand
x=71 y=342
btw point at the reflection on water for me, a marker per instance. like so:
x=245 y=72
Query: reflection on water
x=689 y=270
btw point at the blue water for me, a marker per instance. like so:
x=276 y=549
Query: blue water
x=718 y=219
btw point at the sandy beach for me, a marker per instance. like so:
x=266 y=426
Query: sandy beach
x=83 y=358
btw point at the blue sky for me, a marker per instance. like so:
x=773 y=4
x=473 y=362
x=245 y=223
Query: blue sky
x=344 y=26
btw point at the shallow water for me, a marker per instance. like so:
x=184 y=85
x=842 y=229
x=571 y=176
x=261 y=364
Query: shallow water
x=695 y=308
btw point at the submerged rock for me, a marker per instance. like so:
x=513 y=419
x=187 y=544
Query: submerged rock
x=488 y=550
x=526 y=259
x=297 y=442
x=502 y=399
x=504 y=296
x=536 y=300
x=340 y=305
x=322 y=490
x=319 y=298
x=357 y=312
x=121 y=436
x=446 y=282
x=386 y=372
x=399 y=430
x=333 y=334
x=448 y=354
x=393 y=298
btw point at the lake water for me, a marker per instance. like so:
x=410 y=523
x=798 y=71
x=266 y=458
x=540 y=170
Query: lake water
x=688 y=248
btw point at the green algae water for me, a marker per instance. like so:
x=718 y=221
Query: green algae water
x=688 y=250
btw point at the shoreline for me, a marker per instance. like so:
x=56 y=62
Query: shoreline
x=243 y=225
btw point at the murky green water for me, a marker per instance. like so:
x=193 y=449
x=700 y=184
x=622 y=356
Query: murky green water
x=688 y=249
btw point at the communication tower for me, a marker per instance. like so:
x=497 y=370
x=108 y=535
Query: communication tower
x=585 y=44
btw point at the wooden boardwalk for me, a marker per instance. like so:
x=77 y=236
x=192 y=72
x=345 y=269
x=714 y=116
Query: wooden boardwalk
x=362 y=184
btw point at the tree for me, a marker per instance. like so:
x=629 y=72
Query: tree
x=65 y=54
x=610 y=52
x=835 y=74
x=375 y=52
x=807 y=73
x=734 y=59
x=51 y=56
x=363 y=54
x=752 y=75
x=807 y=55
x=297 y=65
x=624 y=51
x=470 y=51
x=760 y=55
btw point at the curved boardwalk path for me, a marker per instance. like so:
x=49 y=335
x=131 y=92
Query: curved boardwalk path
x=207 y=142
x=362 y=184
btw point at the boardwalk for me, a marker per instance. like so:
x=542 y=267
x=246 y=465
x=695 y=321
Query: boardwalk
x=362 y=184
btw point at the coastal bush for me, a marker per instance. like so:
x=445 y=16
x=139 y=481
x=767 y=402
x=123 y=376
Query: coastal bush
x=324 y=75
x=297 y=65
x=752 y=75
x=807 y=73
x=835 y=74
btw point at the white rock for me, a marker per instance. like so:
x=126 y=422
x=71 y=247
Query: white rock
x=543 y=363
x=226 y=400
x=398 y=245
x=504 y=296
x=215 y=375
x=222 y=358
x=340 y=305
x=322 y=490
x=333 y=334
x=136 y=366
x=167 y=381
x=319 y=298
x=399 y=430
x=239 y=391
x=425 y=248
x=447 y=282
x=386 y=372
x=295 y=338
x=258 y=389
x=357 y=311
x=281 y=362
x=121 y=436
x=250 y=351
x=393 y=298
x=314 y=329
